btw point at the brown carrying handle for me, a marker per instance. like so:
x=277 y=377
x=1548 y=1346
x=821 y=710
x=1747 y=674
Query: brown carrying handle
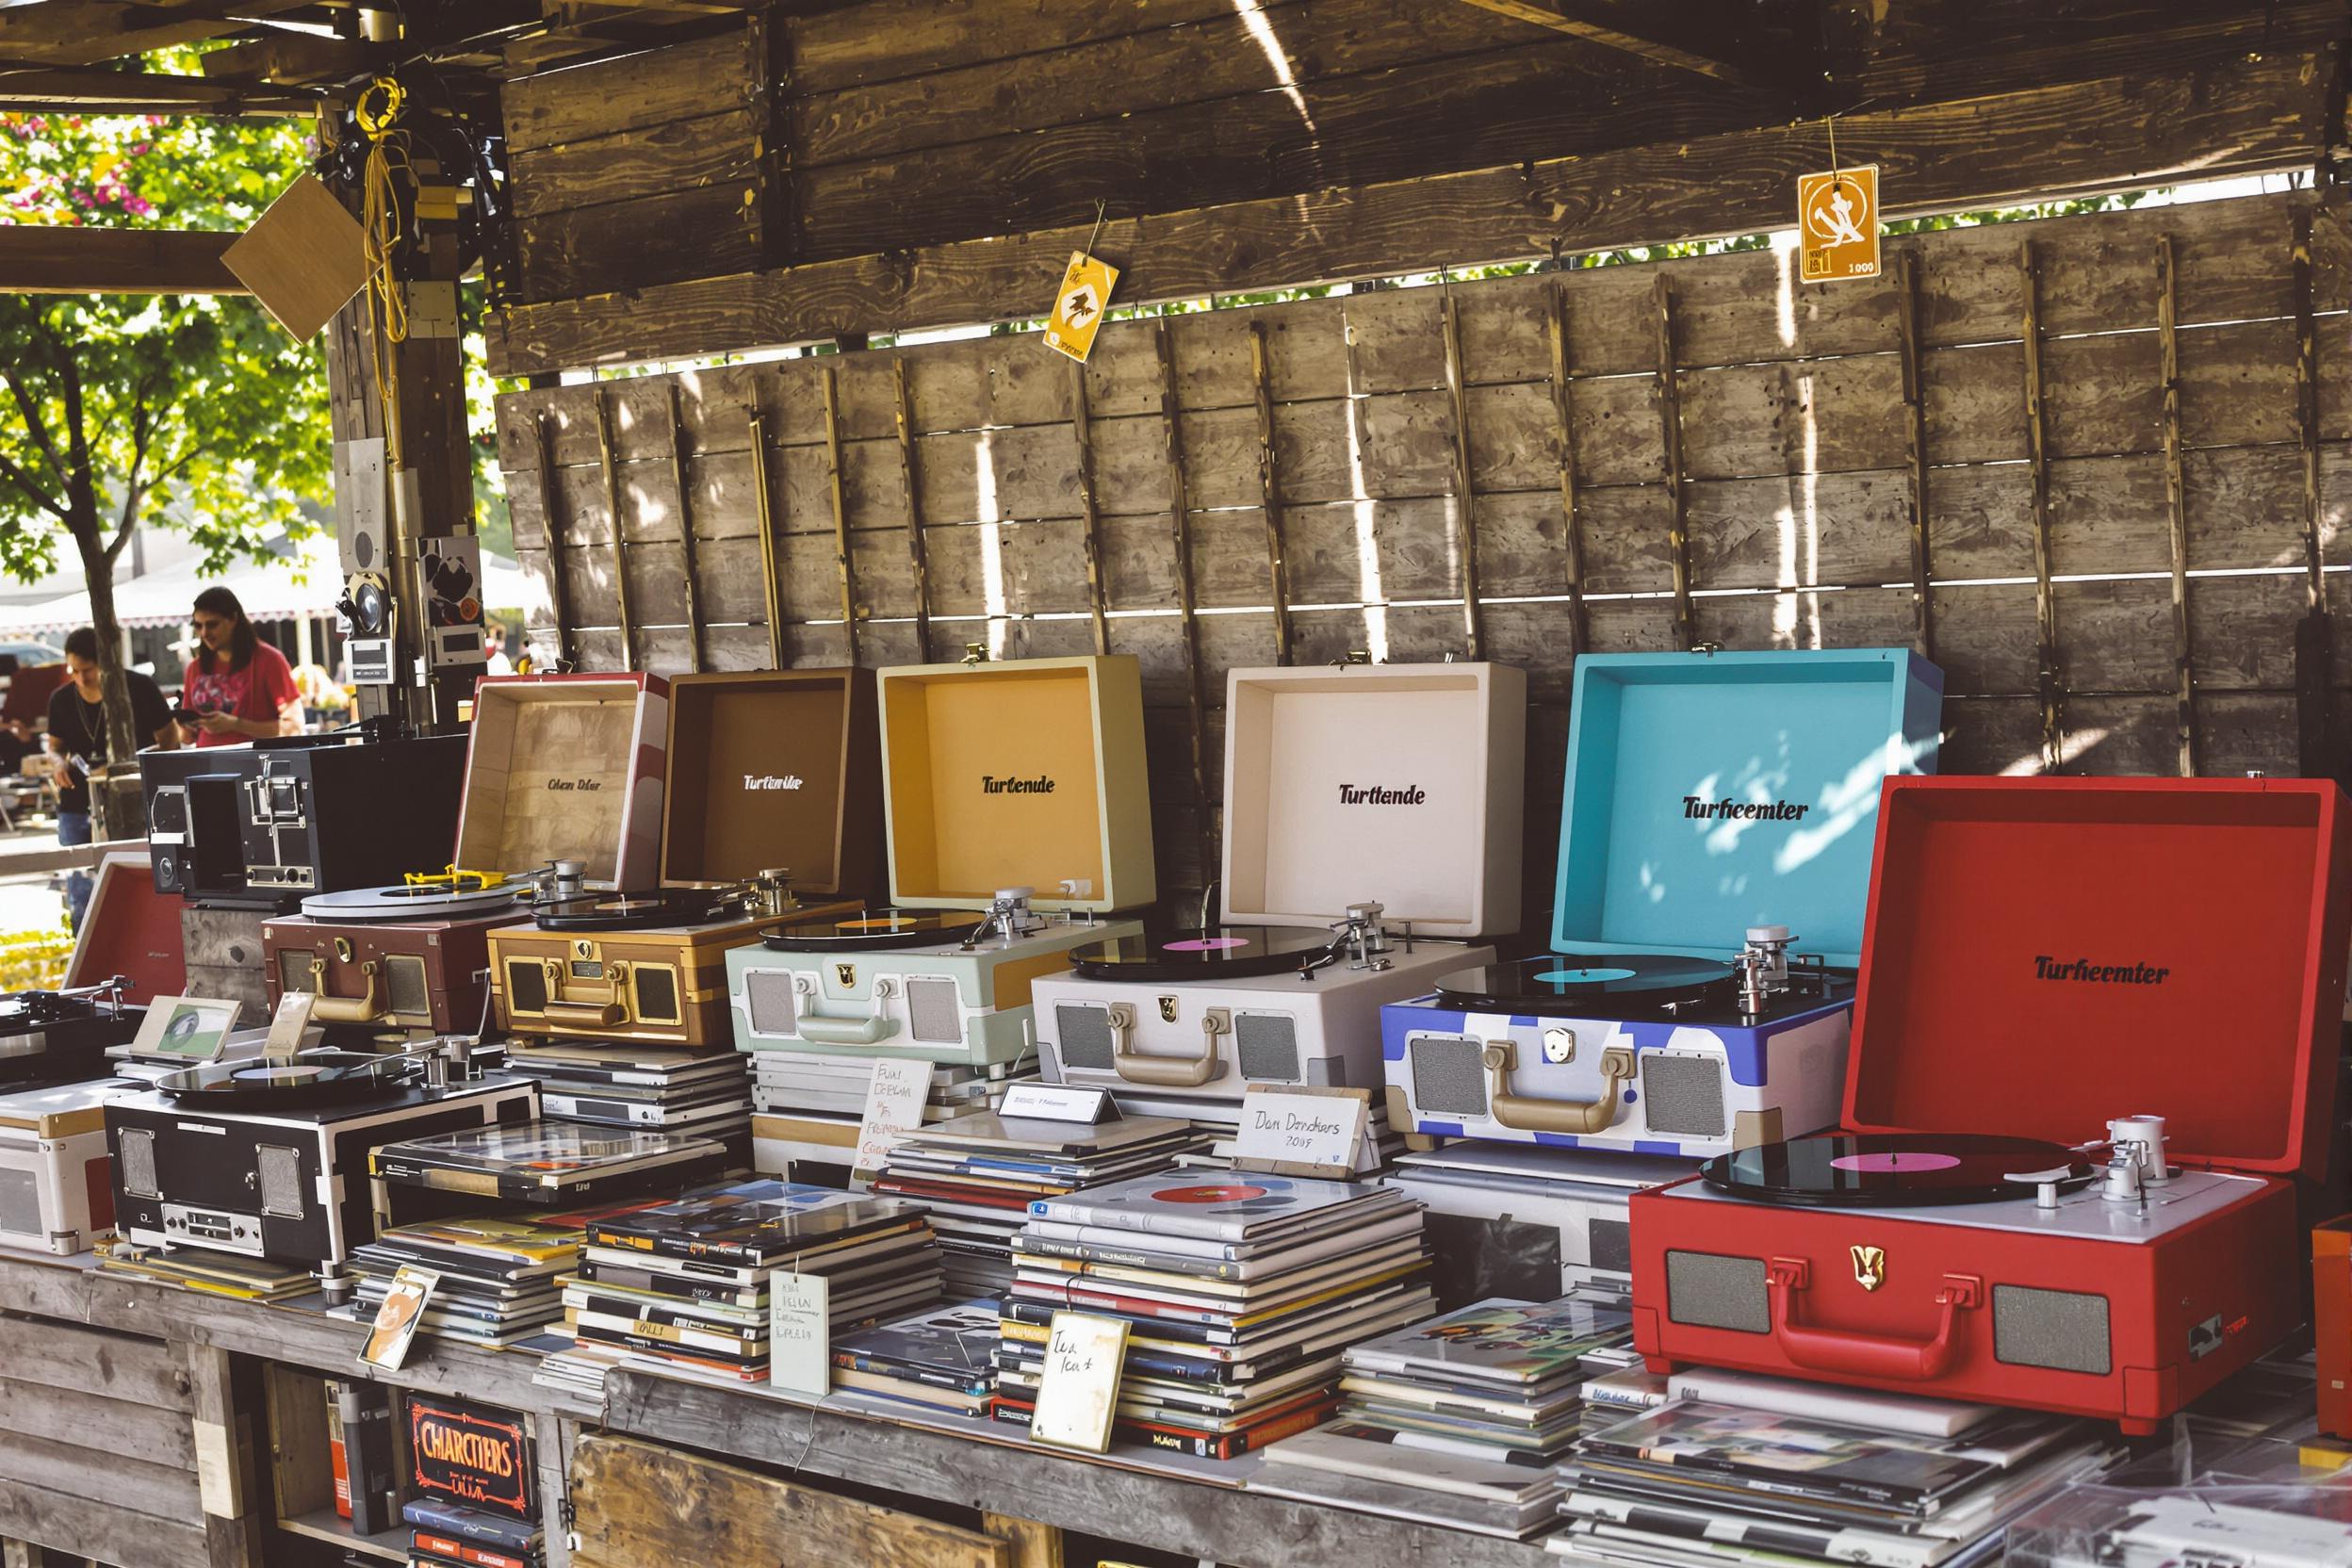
x=346 y=1009
x=1570 y=1117
x=1163 y=1073
x=611 y=1011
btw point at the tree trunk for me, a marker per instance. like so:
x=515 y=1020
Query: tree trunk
x=123 y=737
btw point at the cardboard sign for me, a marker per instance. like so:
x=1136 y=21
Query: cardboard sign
x=1059 y=1103
x=1078 y=1390
x=1085 y=294
x=1302 y=1132
x=800 y=1346
x=470 y=1454
x=894 y=1097
x=397 y=1320
x=1838 y=224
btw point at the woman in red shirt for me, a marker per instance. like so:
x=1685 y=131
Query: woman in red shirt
x=241 y=685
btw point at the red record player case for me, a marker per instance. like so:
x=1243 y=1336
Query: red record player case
x=2042 y=954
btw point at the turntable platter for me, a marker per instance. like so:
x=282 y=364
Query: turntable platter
x=876 y=930
x=1890 y=1169
x=1615 y=983
x=1217 y=952
x=629 y=911
x=422 y=900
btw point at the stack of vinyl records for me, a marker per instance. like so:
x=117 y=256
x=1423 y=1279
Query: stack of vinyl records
x=210 y=1273
x=977 y=1174
x=806 y=1108
x=549 y=1164
x=1924 y=1484
x=696 y=1093
x=1239 y=1295
x=495 y=1277
x=1473 y=1409
x=941 y=1359
x=685 y=1285
x=448 y=1535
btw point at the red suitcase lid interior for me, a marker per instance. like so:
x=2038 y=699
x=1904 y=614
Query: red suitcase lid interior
x=2044 y=954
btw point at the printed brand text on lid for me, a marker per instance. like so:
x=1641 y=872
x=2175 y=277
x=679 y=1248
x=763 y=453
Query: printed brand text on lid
x=1383 y=794
x=575 y=783
x=771 y=781
x=2047 y=968
x=990 y=784
x=1728 y=809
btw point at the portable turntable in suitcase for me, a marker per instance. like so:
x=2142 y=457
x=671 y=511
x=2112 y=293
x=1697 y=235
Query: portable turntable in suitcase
x=409 y=958
x=1016 y=800
x=56 y=1190
x=62 y=1036
x=1365 y=808
x=1717 y=816
x=773 y=793
x=2050 y=963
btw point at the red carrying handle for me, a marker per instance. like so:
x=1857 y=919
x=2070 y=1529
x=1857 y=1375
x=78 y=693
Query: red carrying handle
x=1861 y=1355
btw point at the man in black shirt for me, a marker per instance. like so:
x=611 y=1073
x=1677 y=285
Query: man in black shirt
x=77 y=742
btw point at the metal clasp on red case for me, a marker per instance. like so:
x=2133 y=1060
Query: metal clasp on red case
x=1864 y=1355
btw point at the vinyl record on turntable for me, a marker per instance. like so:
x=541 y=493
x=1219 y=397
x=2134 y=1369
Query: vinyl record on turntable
x=1891 y=1170
x=876 y=930
x=415 y=901
x=629 y=911
x=1617 y=980
x=315 y=1079
x=1217 y=952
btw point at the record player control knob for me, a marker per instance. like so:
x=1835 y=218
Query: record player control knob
x=2044 y=1183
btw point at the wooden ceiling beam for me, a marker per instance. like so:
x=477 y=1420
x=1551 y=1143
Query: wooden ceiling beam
x=1675 y=44
x=87 y=32
x=71 y=91
x=54 y=259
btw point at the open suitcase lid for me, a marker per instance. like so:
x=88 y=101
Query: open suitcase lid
x=1709 y=793
x=1028 y=774
x=565 y=767
x=774 y=769
x=2045 y=954
x=1399 y=784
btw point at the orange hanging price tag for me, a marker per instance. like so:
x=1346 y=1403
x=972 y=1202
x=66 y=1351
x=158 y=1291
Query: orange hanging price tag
x=1085 y=294
x=1838 y=224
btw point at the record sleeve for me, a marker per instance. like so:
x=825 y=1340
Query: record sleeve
x=957 y=1341
x=751 y=1222
x=539 y=1160
x=1508 y=1344
x=1238 y=1209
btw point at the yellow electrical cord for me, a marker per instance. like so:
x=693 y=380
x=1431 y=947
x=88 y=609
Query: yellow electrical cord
x=377 y=113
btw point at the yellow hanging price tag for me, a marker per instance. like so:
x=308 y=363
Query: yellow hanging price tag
x=1085 y=294
x=1838 y=224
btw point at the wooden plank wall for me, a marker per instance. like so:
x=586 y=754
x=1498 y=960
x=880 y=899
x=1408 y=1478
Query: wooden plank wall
x=2118 y=520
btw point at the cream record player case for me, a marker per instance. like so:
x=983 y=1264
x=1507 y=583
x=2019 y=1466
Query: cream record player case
x=1392 y=791
x=1013 y=790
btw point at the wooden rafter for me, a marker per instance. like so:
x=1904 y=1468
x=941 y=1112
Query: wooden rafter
x=40 y=259
x=1676 y=43
x=85 y=32
x=73 y=89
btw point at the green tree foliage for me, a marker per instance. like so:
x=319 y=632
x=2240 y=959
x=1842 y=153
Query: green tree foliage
x=193 y=411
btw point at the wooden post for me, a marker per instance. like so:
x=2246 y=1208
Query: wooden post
x=1914 y=440
x=2314 y=641
x=686 y=526
x=1571 y=517
x=1035 y=1545
x=1466 y=498
x=1187 y=607
x=227 y=1473
x=917 y=556
x=610 y=474
x=1270 y=490
x=770 y=582
x=2047 y=684
x=559 y=597
x=1670 y=434
x=841 y=510
x=2176 y=505
x=1090 y=504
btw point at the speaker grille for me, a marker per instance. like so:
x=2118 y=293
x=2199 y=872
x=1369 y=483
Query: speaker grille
x=20 y=1204
x=1709 y=1291
x=2064 y=1331
x=1683 y=1095
x=526 y=986
x=1085 y=1035
x=1267 y=1046
x=280 y=1181
x=768 y=997
x=294 y=969
x=1612 y=1245
x=168 y=813
x=1449 y=1077
x=657 y=994
x=137 y=1147
x=405 y=987
x=935 y=1013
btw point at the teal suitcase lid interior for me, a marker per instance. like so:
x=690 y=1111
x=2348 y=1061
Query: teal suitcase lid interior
x=1709 y=793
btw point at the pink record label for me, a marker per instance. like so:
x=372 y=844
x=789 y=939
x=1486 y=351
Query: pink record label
x=1237 y=1192
x=1208 y=944
x=1894 y=1165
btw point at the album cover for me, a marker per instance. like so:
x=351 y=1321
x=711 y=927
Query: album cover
x=1237 y=1209
x=541 y=1155
x=751 y=1222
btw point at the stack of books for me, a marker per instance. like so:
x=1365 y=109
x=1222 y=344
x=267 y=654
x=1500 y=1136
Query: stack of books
x=941 y=1359
x=806 y=1108
x=1239 y=1295
x=1904 y=1482
x=695 y=1093
x=447 y=1535
x=1474 y=1408
x=685 y=1283
x=495 y=1277
x=977 y=1174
